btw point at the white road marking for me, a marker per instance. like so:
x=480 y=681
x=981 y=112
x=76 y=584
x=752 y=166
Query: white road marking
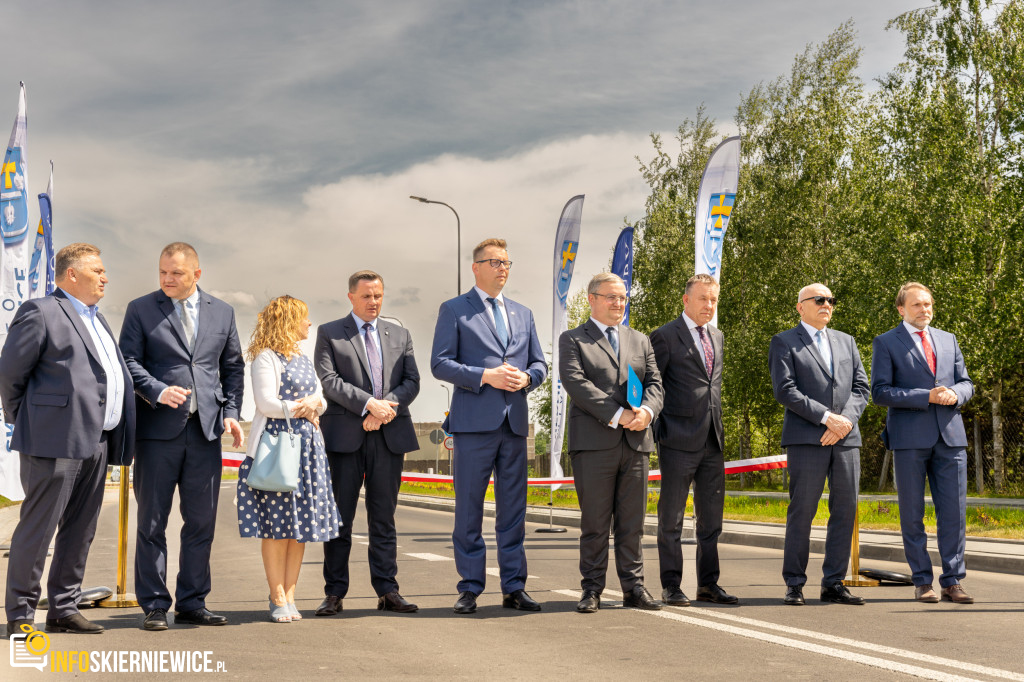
x=430 y=557
x=873 y=661
x=497 y=574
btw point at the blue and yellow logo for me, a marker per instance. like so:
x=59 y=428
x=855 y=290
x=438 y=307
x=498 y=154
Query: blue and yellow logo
x=13 y=198
x=717 y=222
x=569 y=250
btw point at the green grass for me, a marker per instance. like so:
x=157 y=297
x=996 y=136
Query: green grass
x=996 y=522
x=4 y=502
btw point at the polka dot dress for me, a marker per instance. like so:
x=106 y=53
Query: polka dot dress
x=309 y=514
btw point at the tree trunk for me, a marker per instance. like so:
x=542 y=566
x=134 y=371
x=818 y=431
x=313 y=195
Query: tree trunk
x=998 y=454
x=745 y=438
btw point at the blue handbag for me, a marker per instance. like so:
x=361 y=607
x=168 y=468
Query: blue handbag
x=275 y=467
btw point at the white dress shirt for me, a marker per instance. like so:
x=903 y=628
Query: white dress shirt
x=827 y=358
x=614 y=423
x=376 y=338
x=107 y=351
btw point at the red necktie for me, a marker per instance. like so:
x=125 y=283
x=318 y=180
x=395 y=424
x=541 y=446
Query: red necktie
x=709 y=353
x=929 y=354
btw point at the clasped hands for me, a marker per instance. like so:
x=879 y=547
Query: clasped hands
x=836 y=429
x=506 y=378
x=378 y=413
x=635 y=420
x=942 y=395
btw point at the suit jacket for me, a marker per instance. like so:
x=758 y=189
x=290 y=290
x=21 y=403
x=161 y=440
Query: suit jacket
x=466 y=343
x=805 y=386
x=54 y=388
x=344 y=371
x=693 y=400
x=156 y=351
x=901 y=381
x=596 y=381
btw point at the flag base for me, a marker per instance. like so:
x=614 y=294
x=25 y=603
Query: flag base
x=119 y=601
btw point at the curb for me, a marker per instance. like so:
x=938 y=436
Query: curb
x=773 y=537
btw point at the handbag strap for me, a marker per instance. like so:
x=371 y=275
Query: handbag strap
x=287 y=421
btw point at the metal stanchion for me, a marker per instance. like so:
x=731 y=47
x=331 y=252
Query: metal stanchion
x=122 y=599
x=855 y=579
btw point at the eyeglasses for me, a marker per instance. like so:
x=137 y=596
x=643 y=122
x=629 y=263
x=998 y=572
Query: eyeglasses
x=497 y=263
x=821 y=300
x=612 y=298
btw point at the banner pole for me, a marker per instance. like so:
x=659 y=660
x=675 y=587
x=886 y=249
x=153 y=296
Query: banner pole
x=122 y=599
x=855 y=579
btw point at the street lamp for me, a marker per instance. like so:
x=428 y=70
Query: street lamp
x=458 y=241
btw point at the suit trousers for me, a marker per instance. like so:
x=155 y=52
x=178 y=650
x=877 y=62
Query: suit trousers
x=705 y=469
x=945 y=468
x=191 y=464
x=380 y=470
x=809 y=466
x=611 y=483
x=62 y=496
x=476 y=455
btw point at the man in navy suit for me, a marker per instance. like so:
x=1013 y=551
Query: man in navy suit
x=487 y=346
x=182 y=349
x=66 y=390
x=369 y=375
x=918 y=372
x=818 y=377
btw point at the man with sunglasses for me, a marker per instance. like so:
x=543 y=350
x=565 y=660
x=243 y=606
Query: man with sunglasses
x=486 y=345
x=817 y=375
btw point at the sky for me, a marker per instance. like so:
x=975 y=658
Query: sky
x=283 y=140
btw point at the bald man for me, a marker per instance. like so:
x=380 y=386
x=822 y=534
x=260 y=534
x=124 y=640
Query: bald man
x=818 y=377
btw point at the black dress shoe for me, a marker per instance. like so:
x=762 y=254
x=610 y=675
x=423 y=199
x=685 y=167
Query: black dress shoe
x=466 y=603
x=199 y=617
x=330 y=606
x=838 y=594
x=590 y=602
x=392 y=601
x=75 y=623
x=14 y=626
x=673 y=596
x=640 y=598
x=794 y=596
x=520 y=601
x=155 y=620
x=714 y=593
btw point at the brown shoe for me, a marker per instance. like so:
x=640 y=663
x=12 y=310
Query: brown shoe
x=925 y=594
x=955 y=593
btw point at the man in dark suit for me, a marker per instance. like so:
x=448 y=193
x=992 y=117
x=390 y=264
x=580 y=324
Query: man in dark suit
x=610 y=441
x=918 y=372
x=66 y=390
x=818 y=377
x=690 y=441
x=182 y=349
x=369 y=375
x=486 y=345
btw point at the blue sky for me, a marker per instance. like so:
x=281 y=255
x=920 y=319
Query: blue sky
x=283 y=139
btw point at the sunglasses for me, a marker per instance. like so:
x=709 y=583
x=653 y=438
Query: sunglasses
x=821 y=300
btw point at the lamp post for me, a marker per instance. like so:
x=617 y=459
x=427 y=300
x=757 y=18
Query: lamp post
x=458 y=241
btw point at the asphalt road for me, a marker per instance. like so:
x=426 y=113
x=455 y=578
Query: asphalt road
x=891 y=637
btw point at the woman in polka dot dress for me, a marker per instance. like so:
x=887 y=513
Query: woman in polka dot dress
x=284 y=379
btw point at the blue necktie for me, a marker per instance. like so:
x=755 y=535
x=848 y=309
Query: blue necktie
x=499 y=322
x=613 y=339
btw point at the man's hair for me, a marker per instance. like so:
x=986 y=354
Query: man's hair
x=600 y=278
x=71 y=256
x=362 y=276
x=901 y=295
x=700 y=278
x=500 y=243
x=181 y=247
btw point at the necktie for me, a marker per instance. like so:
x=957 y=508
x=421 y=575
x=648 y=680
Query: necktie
x=709 y=353
x=190 y=335
x=376 y=368
x=823 y=348
x=499 y=322
x=613 y=338
x=929 y=354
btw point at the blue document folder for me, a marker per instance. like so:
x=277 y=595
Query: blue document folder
x=634 y=390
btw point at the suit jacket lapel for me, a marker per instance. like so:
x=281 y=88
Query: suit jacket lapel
x=903 y=335
x=813 y=347
x=171 y=313
x=625 y=353
x=478 y=304
x=202 y=318
x=602 y=340
x=840 y=379
x=69 y=309
x=691 y=346
x=717 y=346
x=353 y=332
x=387 y=348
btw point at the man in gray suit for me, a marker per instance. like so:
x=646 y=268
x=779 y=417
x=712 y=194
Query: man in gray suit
x=66 y=389
x=369 y=375
x=610 y=441
x=818 y=377
x=690 y=441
